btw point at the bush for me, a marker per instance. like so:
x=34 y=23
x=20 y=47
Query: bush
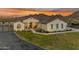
x=42 y=31
x=69 y=30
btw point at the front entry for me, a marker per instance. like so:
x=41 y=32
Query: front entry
x=31 y=25
x=6 y=27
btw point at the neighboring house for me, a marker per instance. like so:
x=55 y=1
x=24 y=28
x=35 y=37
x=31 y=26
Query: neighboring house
x=47 y=24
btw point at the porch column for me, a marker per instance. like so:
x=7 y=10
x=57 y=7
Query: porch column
x=28 y=25
x=33 y=24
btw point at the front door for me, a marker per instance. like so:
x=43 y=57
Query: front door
x=30 y=25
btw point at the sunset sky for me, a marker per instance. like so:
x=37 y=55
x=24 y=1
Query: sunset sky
x=28 y=11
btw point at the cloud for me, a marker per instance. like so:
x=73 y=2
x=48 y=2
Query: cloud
x=28 y=11
x=50 y=9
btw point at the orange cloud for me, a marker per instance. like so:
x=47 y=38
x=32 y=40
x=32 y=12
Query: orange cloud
x=17 y=12
x=65 y=13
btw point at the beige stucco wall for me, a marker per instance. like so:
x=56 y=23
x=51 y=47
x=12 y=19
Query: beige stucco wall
x=18 y=29
x=59 y=22
x=31 y=20
x=39 y=25
x=44 y=27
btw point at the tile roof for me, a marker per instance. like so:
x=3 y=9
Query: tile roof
x=43 y=19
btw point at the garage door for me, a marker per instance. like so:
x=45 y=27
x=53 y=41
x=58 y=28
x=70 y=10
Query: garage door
x=5 y=26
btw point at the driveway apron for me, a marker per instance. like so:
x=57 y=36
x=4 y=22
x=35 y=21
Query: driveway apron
x=9 y=41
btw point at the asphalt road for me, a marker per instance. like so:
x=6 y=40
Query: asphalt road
x=9 y=41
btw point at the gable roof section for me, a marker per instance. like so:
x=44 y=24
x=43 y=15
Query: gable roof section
x=50 y=19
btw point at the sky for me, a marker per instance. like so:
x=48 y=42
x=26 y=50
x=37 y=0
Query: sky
x=29 y=11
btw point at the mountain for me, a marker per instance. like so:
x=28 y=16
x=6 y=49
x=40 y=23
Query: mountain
x=75 y=15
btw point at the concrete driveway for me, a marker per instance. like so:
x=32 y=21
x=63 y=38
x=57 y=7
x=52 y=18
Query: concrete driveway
x=9 y=41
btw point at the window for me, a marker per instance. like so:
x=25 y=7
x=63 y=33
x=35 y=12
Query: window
x=61 y=25
x=56 y=26
x=51 y=26
x=18 y=25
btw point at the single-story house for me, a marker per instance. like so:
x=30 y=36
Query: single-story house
x=48 y=24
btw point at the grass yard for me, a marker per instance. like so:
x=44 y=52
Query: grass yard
x=67 y=41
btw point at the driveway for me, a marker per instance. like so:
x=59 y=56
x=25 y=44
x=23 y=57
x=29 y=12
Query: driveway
x=9 y=41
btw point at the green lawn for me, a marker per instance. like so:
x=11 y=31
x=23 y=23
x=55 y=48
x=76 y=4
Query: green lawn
x=58 y=41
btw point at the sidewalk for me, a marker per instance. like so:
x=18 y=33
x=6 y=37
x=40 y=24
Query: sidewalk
x=73 y=30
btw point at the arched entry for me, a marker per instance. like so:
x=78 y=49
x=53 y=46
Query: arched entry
x=31 y=25
x=6 y=27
